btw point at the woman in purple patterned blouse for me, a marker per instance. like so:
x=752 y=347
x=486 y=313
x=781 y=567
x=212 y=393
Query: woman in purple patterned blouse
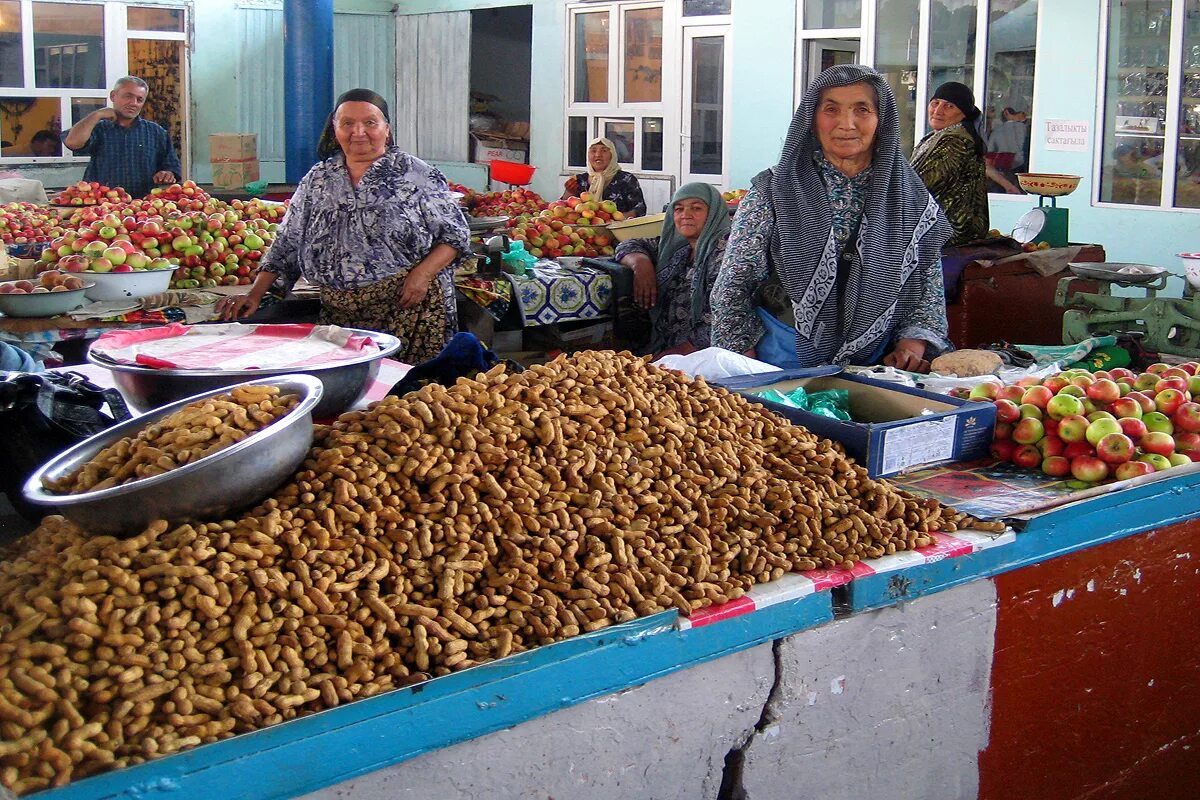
x=376 y=229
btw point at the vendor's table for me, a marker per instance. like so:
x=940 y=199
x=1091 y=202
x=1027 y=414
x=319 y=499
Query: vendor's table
x=1059 y=662
x=1009 y=302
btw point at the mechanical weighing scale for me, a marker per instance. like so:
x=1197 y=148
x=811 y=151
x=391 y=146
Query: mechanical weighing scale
x=1046 y=223
x=1165 y=324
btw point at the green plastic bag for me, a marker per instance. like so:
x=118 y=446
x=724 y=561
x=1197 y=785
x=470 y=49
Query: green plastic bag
x=832 y=403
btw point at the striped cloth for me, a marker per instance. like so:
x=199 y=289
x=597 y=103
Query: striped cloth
x=129 y=157
x=899 y=242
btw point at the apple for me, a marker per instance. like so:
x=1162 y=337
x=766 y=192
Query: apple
x=1089 y=469
x=1157 y=368
x=1003 y=449
x=1186 y=417
x=1083 y=380
x=115 y=255
x=1125 y=407
x=1190 y=367
x=983 y=391
x=1003 y=430
x=100 y=265
x=1194 y=386
x=1180 y=384
x=1073 y=390
x=1095 y=415
x=1073 y=429
x=95 y=248
x=1029 y=410
x=1115 y=448
x=1157 y=442
x=1012 y=393
x=1051 y=446
x=1056 y=466
x=1133 y=428
x=1176 y=372
x=1145 y=381
x=1133 y=469
x=1144 y=400
x=1028 y=431
x=1027 y=456
x=1037 y=395
x=1063 y=405
x=1007 y=411
x=1056 y=383
x=1156 y=460
x=1051 y=426
x=137 y=260
x=1100 y=428
x=1179 y=460
x=1104 y=391
x=1168 y=401
x=1122 y=374
x=1156 y=421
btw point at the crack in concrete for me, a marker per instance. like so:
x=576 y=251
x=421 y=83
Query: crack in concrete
x=732 y=787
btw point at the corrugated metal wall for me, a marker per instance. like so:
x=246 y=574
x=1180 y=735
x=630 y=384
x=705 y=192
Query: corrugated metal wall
x=364 y=54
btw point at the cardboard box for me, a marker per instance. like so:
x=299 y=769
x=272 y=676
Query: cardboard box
x=234 y=174
x=897 y=428
x=232 y=147
x=486 y=147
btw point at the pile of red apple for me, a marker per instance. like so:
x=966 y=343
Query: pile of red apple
x=21 y=223
x=90 y=193
x=49 y=281
x=468 y=196
x=733 y=196
x=187 y=196
x=1096 y=426
x=508 y=203
x=255 y=208
x=568 y=227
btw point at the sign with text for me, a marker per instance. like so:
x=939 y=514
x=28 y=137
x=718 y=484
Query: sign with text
x=1070 y=135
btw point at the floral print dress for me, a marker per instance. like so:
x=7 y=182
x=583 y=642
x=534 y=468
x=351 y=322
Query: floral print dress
x=358 y=244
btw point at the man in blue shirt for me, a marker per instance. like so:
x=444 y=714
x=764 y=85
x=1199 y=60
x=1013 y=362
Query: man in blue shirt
x=126 y=150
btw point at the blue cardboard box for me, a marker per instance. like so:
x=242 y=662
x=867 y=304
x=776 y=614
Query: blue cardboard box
x=896 y=428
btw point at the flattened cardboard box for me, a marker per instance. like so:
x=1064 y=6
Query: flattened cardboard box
x=897 y=428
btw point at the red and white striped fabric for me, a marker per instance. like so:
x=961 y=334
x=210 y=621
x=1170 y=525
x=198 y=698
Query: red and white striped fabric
x=796 y=585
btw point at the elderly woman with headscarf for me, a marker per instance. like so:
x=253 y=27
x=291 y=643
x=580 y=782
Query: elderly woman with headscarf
x=605 y=180
x=848 y=229
x=950 y=161
x=674 y=274
x=376 y=229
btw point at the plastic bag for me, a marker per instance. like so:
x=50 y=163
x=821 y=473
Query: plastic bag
x=714 y=363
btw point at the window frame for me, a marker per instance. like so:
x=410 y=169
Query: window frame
x=116 y=64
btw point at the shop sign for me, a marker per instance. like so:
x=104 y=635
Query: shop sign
x=1069 y=135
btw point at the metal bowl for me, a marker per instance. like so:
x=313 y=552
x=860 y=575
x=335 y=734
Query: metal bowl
x=345 y=382
x=234 y=478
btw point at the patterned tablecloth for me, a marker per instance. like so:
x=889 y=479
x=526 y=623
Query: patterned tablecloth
x=548 y=294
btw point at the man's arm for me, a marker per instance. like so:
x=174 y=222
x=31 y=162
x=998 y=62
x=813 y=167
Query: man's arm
x=169 y=169
x=77 y=138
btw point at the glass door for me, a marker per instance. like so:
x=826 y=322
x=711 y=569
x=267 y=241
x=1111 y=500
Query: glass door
x=821 y=54
x=705 y=118
x=158 y=54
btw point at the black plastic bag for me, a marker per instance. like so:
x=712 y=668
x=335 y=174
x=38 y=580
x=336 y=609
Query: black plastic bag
x=41 y=415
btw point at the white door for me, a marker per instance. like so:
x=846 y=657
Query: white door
x=433 y=69
x=704 y=121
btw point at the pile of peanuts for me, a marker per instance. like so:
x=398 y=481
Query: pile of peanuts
x=197 y=430
x=425 y=535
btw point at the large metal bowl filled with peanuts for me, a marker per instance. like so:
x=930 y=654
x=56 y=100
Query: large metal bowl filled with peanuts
x=199 y=457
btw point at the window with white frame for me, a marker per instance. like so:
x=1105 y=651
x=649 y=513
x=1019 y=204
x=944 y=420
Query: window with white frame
x=990 y=45
x=615 y=86
x=58 y=61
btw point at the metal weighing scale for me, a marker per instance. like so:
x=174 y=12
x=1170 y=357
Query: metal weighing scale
x=1165 y=324
x=1046 y=223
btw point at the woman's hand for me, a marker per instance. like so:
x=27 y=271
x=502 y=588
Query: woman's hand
x=237 y=306
x=571 y=184
x=416 y=287
x=909 y=354
x=645 y=282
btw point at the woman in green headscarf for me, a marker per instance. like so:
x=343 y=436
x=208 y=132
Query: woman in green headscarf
x=673 y=274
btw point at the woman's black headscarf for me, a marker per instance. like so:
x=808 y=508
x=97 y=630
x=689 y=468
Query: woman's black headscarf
x=964 y=100
x=328 y=145
x=900 y=238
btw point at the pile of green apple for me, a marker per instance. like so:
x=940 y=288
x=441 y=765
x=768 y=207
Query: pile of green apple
x=1096 y=426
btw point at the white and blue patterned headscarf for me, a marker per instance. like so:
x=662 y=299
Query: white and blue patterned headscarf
x=901 y=233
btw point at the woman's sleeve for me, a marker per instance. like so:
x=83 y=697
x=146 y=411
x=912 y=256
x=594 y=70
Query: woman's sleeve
x=626 y=191
x=944 y=167
x=444 y=219
x=647 y=247
x=928 y=320
x=283 y=256
x=735 y=325
x=635 y=196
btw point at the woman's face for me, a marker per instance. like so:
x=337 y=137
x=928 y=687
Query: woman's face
x=361 y=130
x=847 y=118
x=943 y=114
x=689 y=216
x=599 y=157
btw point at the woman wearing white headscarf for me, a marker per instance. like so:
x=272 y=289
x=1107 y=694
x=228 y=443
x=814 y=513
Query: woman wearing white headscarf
x=605 y=180
x=850 y=231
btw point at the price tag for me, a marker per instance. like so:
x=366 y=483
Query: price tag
x=919 y=443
